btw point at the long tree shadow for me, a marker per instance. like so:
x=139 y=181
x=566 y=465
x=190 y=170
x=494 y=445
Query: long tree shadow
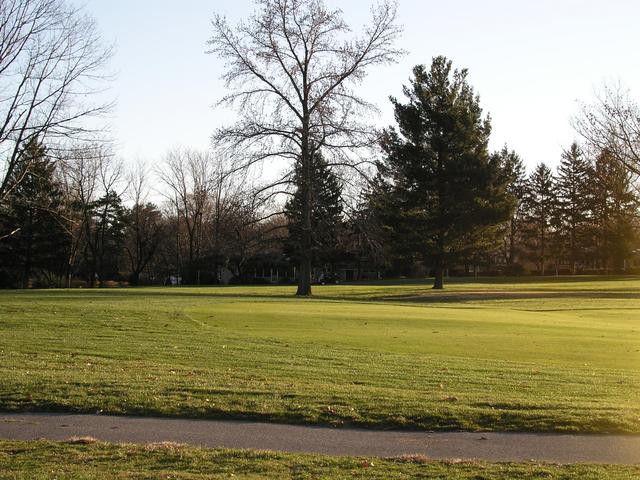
x=464 y=290
x=466 y=297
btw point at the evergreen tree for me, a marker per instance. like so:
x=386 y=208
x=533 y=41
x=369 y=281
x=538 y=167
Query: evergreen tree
x=615 y=208
x=574 y=196
x=326 y=214
x=541 y=206
x=104 y=238
x=38 y=242
x=443 y=196
x=516 y=175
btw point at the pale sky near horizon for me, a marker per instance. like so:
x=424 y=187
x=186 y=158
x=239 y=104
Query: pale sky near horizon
x=531 y=62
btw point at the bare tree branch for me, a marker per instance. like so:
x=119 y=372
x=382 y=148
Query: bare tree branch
x=51 y=63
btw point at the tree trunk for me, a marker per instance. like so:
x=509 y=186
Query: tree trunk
x=438 y=283
x=304 y=278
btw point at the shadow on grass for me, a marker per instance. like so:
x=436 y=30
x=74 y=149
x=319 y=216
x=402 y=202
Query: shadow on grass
x=479 y=289
x=498 y=420
x=464 y=297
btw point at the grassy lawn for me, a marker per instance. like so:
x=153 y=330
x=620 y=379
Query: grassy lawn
x=506 y=354
x=46 y=460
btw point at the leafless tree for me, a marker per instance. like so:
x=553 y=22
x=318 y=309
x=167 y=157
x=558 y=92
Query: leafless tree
x=612 y=123
x=292 y=71
x=85 y=174
x=52 y=64
x=186 y=174
x=145 y=226
x=228 y=190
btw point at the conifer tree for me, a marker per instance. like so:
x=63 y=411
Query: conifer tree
x=541 y=205
x=104 y=237
x=442 y=194
x=573 y=201
x=37 y=243
x=326 y=214
x=615 y=209
x=516 y=174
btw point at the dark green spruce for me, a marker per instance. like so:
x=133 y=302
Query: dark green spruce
x=512 y=250
x=542 y=210
x=35 y=240
x=441 y=194
x=574 y=199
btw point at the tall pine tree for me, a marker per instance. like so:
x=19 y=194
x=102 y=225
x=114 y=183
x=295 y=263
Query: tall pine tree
x=442 y=195
x=516 y=174
x=541 y=204
x=574 y=196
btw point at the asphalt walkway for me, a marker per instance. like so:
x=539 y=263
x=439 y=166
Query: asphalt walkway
x=493 y=447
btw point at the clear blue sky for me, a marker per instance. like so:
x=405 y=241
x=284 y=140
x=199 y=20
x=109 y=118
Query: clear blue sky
x=530 y=61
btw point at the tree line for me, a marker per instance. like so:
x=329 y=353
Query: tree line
x=83 y=220
x=425 y=196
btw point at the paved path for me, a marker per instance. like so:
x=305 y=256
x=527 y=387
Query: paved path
x=289 y=438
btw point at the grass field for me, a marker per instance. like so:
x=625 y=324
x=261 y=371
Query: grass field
x=47 y=460
x=507 y=354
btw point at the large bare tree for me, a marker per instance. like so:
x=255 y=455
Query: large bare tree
x=292 y=71
x=51 y=66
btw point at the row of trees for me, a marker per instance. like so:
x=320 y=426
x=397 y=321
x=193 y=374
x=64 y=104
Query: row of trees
x=583 y=217
x=83 y=218
x=441 y=198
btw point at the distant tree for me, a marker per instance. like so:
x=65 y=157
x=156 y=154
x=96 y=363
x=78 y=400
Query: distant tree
x=612 y=123
x=94 y=217
x=615 y=210
x=187 y=175
x=365 y=239
x=32 y=214
x=326 y=214
x=542 y=208
x=104 y=238
x=232 y=206
x=81 y=173
x=442 y=193
x=574 y=198
x=515 y=172
x=144 y=225
x=293 y=72
x=143 y=234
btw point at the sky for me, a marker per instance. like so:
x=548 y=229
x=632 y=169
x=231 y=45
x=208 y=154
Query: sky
x=531 y=62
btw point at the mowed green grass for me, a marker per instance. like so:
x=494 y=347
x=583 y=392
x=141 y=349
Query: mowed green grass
x=79 y=460
x=510 y=355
